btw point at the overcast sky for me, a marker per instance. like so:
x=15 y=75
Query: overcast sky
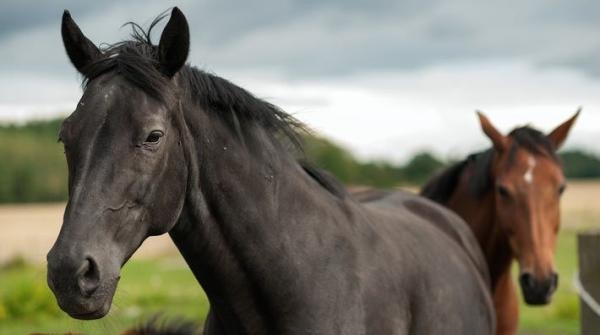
x=383 y=78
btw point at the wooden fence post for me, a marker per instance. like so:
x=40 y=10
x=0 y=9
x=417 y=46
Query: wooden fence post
x=588 y=245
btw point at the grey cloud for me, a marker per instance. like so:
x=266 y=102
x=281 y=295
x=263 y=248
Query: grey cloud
x=333 y=38
x=328 y=38
x=16 y=15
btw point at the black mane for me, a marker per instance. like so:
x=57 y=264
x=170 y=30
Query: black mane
x=136 y=61
x=441 y=187
x=325 y=179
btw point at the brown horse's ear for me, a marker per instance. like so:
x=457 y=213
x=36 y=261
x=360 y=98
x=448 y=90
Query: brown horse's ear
x=174 y=44
x=500 y=141
x=559 y=134
x=80 y=49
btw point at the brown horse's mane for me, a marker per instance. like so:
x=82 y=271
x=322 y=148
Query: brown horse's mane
x=441 y=187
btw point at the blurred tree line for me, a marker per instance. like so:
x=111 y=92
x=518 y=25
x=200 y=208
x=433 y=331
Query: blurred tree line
x=33 y=168
x=32 y=164
x=378 y=173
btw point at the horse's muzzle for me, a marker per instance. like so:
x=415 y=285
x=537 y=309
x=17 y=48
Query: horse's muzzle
x=538 y=291
x=78 y=287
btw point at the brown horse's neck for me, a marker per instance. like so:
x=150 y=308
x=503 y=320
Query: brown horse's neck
x=480 y=215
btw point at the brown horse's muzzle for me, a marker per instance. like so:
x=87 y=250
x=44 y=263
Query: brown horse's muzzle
x=82 y=289
x=538 y=291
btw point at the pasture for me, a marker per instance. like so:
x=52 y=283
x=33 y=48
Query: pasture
x=157 y=280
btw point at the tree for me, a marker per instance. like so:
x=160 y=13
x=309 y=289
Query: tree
x=580 y=164
x=421 y=167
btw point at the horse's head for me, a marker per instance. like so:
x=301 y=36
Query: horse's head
x=529 y=181
x=127 y=177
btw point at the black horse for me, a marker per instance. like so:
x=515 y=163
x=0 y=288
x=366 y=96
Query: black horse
x=156 y=146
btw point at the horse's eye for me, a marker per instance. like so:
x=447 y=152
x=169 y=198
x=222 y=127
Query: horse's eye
x=561 y=189
x=154 y=136
x=503 y=191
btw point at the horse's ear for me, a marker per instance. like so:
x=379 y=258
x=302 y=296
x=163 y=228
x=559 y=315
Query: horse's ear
x=80 y=49
x=174 y=44
x=500 y=141
x=559 y=134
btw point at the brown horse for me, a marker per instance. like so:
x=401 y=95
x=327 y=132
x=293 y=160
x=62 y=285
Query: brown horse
x=509 y=195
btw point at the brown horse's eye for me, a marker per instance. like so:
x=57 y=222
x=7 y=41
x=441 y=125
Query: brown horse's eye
x=503 y=191
x=154 y=136
x=562 y=189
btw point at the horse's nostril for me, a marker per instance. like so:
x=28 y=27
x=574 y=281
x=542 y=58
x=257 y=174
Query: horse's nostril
x=88 y=277
x=526 y=279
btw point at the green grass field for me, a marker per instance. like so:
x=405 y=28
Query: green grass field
x=146 y=288
x=166 y=286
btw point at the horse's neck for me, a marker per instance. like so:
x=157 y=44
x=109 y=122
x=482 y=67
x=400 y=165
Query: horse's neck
x=243 y=215
x=480 y=215
x=219 y=272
